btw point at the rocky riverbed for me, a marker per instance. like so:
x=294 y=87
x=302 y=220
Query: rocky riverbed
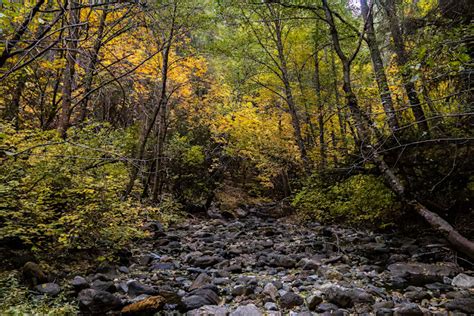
x=263 y=266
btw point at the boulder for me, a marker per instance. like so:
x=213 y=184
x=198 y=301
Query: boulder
x=209 y=310
x=408 y=309
x=199 y=298
x=51 y=289
x=135 y=288
x=79 y=283
x=422 y=273
x=463 y=281
x=345 y=297
x=205 y=261
x=93 y=301
x=246 y=310
x=270 y=290
x=463 y=304
x=313 y=301
x=290 y=300
x=202 y=280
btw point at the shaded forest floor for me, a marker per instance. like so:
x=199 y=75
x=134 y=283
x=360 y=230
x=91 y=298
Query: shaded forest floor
x=258 y=265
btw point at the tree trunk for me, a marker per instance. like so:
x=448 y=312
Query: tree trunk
x=379 y=70
x=363 y=124
x=288 y=91
x=341 y=116
x=319 y=102
x=73 y=16
x=151 y=123
x=91 y=66
x=402 y=60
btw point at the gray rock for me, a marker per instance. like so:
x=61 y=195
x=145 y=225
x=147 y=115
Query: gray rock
x=345 y=297
x=107 y=286
x=313 y=301
x=51 y=289
x=384 y=312
x=270 y=290
x=246 y=310
x=290 y=300
x=422 y=273
x=417 y=296
x=209 y=310
x=202 y=280
x=135 y=288
x=123 y=269
x=163 y=266
x=464 y=304
x=79 y=283
x=326 y=307
x=408 y=309
x=199 y=298
x=463 y=281
x=205 y=261
x=270 y=306
x=94 y=301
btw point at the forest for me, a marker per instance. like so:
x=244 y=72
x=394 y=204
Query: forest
x=237 y=157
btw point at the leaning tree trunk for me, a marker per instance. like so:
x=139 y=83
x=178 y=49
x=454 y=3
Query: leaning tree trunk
x=459 y=242
x=364 y=124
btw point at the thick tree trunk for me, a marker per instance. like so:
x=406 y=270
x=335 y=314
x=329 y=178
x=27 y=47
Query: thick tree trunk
x=402 y=60
x=379 y=70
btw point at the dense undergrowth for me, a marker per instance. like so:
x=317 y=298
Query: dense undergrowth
x=62 y=195
x=17 y=300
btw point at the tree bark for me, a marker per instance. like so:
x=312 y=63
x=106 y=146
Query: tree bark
x=73 y=17
x=319 y=103
x=364 y=123
x=295 y=121
x=402 y=60
x=379 y=70
x=91 y=66
x=151 y=123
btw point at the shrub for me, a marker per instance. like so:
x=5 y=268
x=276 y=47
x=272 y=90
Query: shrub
x=59 y=195
x=360 y=198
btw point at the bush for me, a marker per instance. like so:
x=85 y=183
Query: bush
x=358 y=199
x=60 y=195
